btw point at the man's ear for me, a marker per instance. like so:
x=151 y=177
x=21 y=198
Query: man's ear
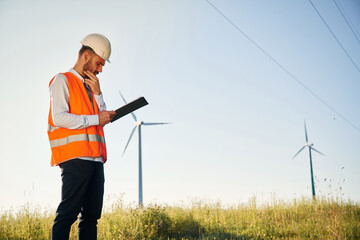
x=86 y=56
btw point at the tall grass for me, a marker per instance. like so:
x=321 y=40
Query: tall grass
x=299 y=219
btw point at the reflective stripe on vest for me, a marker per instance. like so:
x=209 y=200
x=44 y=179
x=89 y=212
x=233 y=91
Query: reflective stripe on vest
x=76 y=138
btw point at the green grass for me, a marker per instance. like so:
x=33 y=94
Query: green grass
x=299 y=219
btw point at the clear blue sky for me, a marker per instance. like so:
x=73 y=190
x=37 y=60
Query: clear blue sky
x=237 y=117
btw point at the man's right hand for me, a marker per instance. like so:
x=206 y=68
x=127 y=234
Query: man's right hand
x=105 y=117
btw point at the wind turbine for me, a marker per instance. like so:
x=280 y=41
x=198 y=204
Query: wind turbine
x=310 y=146
x=138 y=126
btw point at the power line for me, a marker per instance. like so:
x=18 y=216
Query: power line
x=346 y=20
x=283 y=68
x=334 y=36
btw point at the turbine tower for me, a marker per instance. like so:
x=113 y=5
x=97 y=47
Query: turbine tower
x=310 y=146
x=138 y=125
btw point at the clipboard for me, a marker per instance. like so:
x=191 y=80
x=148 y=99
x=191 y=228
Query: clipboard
x=129 y=108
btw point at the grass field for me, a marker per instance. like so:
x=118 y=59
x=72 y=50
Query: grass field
x=299 y=219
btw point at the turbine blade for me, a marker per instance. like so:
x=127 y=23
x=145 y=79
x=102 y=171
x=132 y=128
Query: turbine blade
x=122 y=97
x=298 y=152
x=306 y=136
x=154 y=123
x=317 y=151
x=132 y=133
x=132 y=114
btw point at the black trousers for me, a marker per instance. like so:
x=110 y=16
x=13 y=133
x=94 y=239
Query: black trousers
x=82 y=192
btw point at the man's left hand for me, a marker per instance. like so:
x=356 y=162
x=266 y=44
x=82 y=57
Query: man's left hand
x=93 y=82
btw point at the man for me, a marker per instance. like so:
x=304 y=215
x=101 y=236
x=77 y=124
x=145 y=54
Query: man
x=75 y=129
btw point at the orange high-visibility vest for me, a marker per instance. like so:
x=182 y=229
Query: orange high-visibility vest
x=66 y=143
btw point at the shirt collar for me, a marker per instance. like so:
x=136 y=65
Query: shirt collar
x=76 y=74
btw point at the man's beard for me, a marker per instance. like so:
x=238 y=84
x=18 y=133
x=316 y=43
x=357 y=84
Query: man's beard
x=87 y=67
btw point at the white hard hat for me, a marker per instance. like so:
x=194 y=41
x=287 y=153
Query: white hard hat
x=99 y=43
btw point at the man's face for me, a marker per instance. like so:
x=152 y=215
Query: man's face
x=94 y=64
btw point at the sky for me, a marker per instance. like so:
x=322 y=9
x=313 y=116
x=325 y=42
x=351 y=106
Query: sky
x=237 y=118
